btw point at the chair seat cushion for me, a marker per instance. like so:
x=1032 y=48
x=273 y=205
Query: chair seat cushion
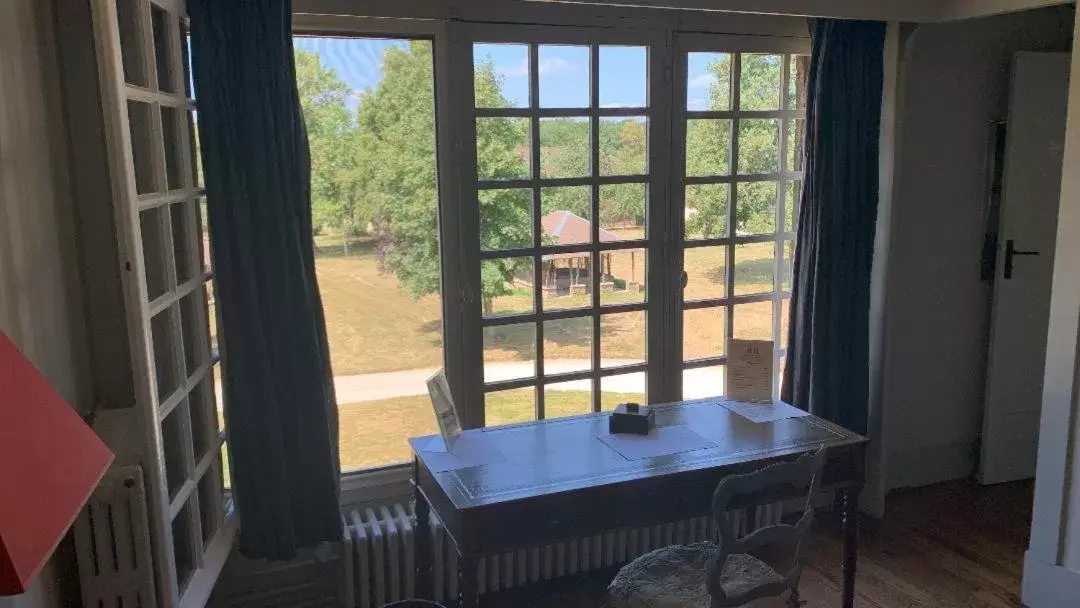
x=675 y=577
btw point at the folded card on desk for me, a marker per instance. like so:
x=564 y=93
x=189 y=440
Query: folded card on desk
x=750 y=370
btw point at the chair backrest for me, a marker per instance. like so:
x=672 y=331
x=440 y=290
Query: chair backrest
x=760 y=487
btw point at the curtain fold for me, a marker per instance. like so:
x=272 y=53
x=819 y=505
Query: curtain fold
x=281 y=415
x=827 y=370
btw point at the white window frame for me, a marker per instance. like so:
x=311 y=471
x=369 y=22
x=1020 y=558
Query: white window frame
x=152 y=409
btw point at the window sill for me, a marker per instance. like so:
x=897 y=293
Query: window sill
x=381 y=485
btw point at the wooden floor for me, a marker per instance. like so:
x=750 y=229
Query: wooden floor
x=949 y=545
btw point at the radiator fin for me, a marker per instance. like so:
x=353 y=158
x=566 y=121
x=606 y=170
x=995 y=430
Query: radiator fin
x=380 y=563
x=112 y=543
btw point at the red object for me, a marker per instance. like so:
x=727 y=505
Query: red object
x=50 y=462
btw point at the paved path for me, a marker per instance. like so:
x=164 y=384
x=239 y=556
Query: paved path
x=387 y=385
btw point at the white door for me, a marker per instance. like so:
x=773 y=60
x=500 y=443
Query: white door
x=1032 y=182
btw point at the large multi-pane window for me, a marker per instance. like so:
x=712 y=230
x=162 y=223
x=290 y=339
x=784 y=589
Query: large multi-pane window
x=561 y=182
x=161 y=223
x=742 y=133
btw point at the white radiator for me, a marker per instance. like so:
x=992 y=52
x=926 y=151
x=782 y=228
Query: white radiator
x=112 y=543
x=379 y=560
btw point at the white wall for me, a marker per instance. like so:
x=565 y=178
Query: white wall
x=1052 y=563
x=39 y=302
x=955 y=81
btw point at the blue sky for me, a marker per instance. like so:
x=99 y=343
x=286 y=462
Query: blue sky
x=563 y=70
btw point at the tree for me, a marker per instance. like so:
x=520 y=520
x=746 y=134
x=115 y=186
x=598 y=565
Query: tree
x=324 y=101
x=394 y=177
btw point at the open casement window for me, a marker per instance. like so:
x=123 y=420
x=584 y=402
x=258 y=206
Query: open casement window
x=739 y=120
x=160 y=211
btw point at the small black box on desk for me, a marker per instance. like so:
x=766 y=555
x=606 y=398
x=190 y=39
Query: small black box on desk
x=632 y=418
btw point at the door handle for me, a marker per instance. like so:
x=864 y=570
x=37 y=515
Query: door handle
x=1010 y=251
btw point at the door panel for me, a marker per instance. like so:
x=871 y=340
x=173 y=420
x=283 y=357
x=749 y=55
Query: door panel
x=1020 y=317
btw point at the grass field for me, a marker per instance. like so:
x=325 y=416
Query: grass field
x=373 y=326
x=374 y=432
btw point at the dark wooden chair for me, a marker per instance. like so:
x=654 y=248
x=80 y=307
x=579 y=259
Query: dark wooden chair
x=731 y=572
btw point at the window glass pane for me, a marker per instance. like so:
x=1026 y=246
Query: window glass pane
x=706 y=272
x=505 y=219
x=566 y=211
x=211 y=315
x=567 y=398
x=508 y=407
x=791 y=204
x=196 y=150
x=127 y=17
x=623 y=212
x=759 y=146
x=501 y=75
x=203 y=417
x=564 y=76
x=204 y=235
x=173 y=447
x=798 y=70
x=185 y=57
x=568 y=345
x=170 y=131
x=759 y=82
x=162 y=25
x=507 y=285
x=182 y=233
x=706 y=211
x=139 y=116
x=226 y=472
x=194 y=330
x=509 y=352
x=624 y=76
x=622 y=277
x=183 y=551
x=623 y=388
x=564 y=147
x=210 y=503
x=502 y=148
x=753 y=321
x=795 y=131
x=566 y=281
x=703 y=382
x=786 y=267
x=704 y=333
x=152 y=230
x=755 y=268
x=708 y=147
x=785 y=322
x=708 y=81
x=755 y=208
x=368 y=107
x=162 y=335
x=622 y=339
x=623 y=145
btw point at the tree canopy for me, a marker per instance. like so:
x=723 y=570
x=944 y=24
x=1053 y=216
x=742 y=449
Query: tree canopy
x=373 y=169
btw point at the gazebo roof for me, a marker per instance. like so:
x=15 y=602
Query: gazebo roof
x=571 y=229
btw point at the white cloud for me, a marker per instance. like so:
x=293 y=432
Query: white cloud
x=701 y=81
x=696 y=104
x=520 y=69
x=619 y=104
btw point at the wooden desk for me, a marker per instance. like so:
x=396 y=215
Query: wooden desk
x=551 y=480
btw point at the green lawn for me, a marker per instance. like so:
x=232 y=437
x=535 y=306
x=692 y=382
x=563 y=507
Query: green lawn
x=374 y=433
x=375 y=327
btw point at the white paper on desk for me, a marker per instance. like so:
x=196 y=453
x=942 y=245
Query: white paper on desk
x=470 y=450
x=768 y=411
x=661 y=441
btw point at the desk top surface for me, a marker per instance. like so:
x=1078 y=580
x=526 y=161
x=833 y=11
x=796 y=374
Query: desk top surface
x=521 y=461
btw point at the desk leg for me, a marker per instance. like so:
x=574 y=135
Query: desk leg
x=422 y=546
x=468 y=594
x=850 y=503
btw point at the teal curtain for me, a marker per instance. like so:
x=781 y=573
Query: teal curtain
x=281 y=412
x=827 y=371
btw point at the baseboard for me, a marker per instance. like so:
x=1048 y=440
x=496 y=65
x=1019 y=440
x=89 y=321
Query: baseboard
x=1048 y=585
x=930 y=464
